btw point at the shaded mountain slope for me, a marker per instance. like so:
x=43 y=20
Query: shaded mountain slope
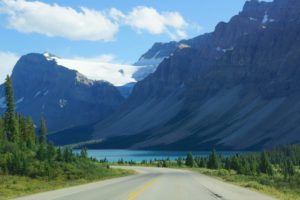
x=64 y=97
x=235 y=88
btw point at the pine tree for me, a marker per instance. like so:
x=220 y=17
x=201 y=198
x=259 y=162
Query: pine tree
x=288 y=168
x=84 y=153
x=59 y=156
x=213 y=161
x=68 y=155
x=253 y=166
x=235 y=163
x=41 y=153
x=179 y=162
x=202 y=163
x=22 y=128
x=42 y=132
x=51 y=152
x=1 y=129
x=30 y=132
x=10 y=123
x=189 y=161
x=265 y=164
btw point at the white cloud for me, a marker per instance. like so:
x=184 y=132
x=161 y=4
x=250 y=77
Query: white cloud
x=148 y=19
x=54 y=20
x=7 y=62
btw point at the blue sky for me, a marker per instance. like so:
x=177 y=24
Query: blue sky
x=120 y=30
x=127 y=44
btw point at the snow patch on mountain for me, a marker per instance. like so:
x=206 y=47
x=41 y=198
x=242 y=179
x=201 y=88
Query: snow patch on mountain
x=20 y=100
x=37 y=93
x=62 y=103
x=116 y=74
x=252 y=19
x=45 y=93
x=267 y=19
x=183 y=46
x=154 y=61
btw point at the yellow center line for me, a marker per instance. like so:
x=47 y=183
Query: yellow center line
x=135 y=194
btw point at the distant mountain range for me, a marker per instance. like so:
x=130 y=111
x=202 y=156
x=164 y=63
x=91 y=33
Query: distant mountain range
x=64 y=97
x=235 y=88
x=73 y=92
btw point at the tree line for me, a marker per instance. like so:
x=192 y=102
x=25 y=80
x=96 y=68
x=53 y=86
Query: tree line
x=24 y=149
x=281 y=160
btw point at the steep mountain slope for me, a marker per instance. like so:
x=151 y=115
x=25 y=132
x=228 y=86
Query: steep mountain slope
x=121 y=76
x=148 y=63
x=115 y=74
x=64 y=97
x=235 y=88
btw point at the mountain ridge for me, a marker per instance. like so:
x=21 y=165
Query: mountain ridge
x=64 y=97
x=234 y=83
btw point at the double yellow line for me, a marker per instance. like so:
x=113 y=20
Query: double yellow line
x=135 y=194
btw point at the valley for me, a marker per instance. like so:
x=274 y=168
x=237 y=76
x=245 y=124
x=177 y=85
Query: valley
x=150 y=100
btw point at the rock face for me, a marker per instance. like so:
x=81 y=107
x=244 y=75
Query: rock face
x=235 y=88
x=64 y=97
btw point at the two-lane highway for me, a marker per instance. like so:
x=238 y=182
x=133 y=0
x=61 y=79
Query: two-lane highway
x=154 y=184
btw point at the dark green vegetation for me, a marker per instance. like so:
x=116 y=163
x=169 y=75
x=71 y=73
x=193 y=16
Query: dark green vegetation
x=275 y=172
x=29 y=164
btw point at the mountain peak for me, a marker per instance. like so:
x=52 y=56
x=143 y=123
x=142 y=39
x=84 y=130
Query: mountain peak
x=44 y=88
x=50 y=56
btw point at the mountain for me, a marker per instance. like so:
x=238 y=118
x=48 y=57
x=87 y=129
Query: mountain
x=235 y=88
x=64 y=97
x=122 y=76
x=154 y=56
x=115 y=74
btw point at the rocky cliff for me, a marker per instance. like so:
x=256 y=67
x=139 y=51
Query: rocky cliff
x=234 y=88
x=64 y=97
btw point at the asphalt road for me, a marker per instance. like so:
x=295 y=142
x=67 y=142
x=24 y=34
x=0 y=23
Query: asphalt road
x=154 y=184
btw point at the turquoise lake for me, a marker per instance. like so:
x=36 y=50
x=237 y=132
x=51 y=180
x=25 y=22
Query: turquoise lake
x=139 y=155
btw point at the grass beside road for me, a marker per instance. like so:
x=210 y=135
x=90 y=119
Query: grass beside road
x=274 y=186
x=15 y=186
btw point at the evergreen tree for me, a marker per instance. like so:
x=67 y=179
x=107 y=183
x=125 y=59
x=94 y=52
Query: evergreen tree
x=68 y=155
x=84 y=153
x=213 y=161
x=42 y=132
x=41 y=153
x=1 y=129
x=202 y=162
x=265 y=164
x=288 y=168
x=227 y=164
x=22 y=127
x=59 y=156
x=30 y=132
x=253 y=166
x=51 y=152
x=189 y=161
x=10 y=124
x=244 y=167
x=179 y=162
x=235 y=163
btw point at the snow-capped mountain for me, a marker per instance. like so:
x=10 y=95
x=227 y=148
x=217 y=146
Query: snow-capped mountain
x=152 y=58
x=122 y=76
x=235 y=88
x=64 y=97
x=116 y=74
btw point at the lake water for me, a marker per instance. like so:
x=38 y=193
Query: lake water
x=139 y=155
